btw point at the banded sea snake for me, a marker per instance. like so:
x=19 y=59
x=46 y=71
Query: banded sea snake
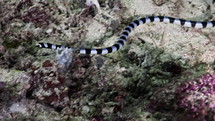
x=124 y=35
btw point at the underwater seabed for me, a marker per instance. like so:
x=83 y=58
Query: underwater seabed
x=164 y=72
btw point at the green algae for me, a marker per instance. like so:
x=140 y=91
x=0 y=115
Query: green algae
x=10 y=43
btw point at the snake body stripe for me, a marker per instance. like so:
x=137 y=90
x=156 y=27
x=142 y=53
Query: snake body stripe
x=124 y=35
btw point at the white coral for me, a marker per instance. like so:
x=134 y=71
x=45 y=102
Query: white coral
x=64 y=57
x=18 y=107
x=93 y=2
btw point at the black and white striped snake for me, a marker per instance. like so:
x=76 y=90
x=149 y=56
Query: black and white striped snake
x=124 y=35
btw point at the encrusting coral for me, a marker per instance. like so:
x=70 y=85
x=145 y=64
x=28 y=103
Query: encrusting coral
x=197 y=97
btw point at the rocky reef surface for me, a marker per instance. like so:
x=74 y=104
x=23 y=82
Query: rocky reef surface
x=165 y=72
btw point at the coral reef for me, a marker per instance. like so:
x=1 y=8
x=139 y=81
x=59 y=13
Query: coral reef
x=153 y=78
x=36 y=15
x=47 y=86
x=192 y=100
x=197 y=98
